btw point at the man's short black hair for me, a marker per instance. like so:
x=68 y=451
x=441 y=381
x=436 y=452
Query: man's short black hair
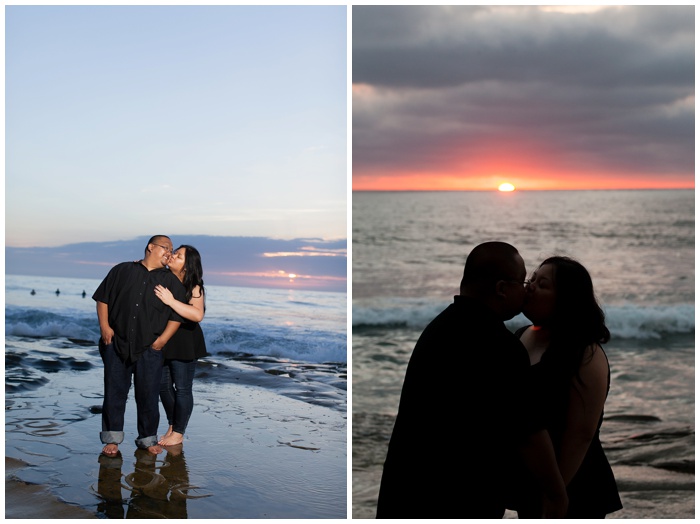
x=154 y=240
x=488 y=263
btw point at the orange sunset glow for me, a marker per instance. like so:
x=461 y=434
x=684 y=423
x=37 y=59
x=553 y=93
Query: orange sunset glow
x=448 y=182
x=526 y=163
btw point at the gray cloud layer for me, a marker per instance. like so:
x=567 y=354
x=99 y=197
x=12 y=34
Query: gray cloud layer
x=610 y=90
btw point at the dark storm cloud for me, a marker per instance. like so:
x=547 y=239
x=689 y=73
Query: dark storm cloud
x=449 y=46
x=613 y=88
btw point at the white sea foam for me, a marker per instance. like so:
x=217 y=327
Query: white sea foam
x=48 y=329
x=650 y=322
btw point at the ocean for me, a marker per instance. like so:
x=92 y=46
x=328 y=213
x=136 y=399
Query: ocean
x=268 y=435
x=408 y=254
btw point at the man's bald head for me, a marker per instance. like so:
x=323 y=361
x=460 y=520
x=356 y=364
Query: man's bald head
x=487 y=264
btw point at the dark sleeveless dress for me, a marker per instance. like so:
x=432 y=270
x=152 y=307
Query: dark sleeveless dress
x=592 y=491
x=187 y=343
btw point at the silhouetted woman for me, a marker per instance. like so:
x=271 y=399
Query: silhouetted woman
x=571 y=376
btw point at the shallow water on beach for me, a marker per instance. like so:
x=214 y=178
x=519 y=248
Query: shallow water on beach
x=267 y=438
x=253 y=448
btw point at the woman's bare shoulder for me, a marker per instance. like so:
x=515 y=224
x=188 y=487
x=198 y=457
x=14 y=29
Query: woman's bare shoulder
x=595 y=361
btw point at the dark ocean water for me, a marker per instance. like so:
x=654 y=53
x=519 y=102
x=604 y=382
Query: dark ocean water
x=408 y=254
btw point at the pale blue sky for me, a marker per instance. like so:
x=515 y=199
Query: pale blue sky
x=127 y=121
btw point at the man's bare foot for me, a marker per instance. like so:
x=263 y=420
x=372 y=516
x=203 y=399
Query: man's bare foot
x=173 y=440
x=111 y=450
x=155 y=449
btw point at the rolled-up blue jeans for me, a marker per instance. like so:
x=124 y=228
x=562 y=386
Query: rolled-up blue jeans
x=147 y=372
x=176 y=392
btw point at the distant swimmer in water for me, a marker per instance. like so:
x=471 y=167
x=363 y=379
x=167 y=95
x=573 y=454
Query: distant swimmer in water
x=58 y=292
x=33 y=292
x=84 y=293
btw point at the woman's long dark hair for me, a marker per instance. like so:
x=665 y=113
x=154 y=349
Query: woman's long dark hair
x=578 y=319
x=193 y=271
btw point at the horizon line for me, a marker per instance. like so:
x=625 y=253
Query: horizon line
x=218 y=284
x=519 y=190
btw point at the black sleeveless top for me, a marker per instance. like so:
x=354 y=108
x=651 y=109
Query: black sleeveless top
x=187 y=343
x=593 y=488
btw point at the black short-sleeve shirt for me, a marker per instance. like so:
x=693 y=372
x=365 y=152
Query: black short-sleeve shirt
x=464 y=409
x=135 y=313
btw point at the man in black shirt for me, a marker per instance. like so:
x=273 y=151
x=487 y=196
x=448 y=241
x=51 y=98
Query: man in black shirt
x=464 y=415
x=134 y=327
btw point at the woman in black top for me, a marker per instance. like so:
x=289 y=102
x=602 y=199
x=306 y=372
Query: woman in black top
x=186 y=346
x=571 y=377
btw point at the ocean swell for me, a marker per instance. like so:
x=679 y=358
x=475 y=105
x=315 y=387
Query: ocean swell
x=35 y=323
x=624 y=322
x=274 y=341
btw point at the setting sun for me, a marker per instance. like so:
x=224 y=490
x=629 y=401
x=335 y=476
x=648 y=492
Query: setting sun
x=506 y=187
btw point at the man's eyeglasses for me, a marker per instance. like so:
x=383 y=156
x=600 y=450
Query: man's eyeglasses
x=524 y=283
x=167 y=249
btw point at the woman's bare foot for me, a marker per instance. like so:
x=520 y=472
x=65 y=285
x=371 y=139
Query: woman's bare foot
x=111 y=450
x=167 y=434
x=174 y=439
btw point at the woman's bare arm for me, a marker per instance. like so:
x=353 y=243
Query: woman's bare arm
x=586 y=402
x=193 y=311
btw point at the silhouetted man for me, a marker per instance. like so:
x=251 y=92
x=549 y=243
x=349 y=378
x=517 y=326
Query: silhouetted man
x=464 y=416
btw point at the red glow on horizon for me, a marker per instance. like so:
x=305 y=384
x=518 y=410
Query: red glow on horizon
x=440 y=182
x=529 y=165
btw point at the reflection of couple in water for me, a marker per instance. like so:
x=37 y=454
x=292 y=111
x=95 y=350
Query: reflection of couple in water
x=159 y=489
x=490 y=420
x=149 y=313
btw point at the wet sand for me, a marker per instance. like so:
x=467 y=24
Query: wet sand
x=262 y=443
x=32 y=501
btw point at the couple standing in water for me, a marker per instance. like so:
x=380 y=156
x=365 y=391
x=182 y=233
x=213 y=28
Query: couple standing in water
x=149 y=313
x=490 y=420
